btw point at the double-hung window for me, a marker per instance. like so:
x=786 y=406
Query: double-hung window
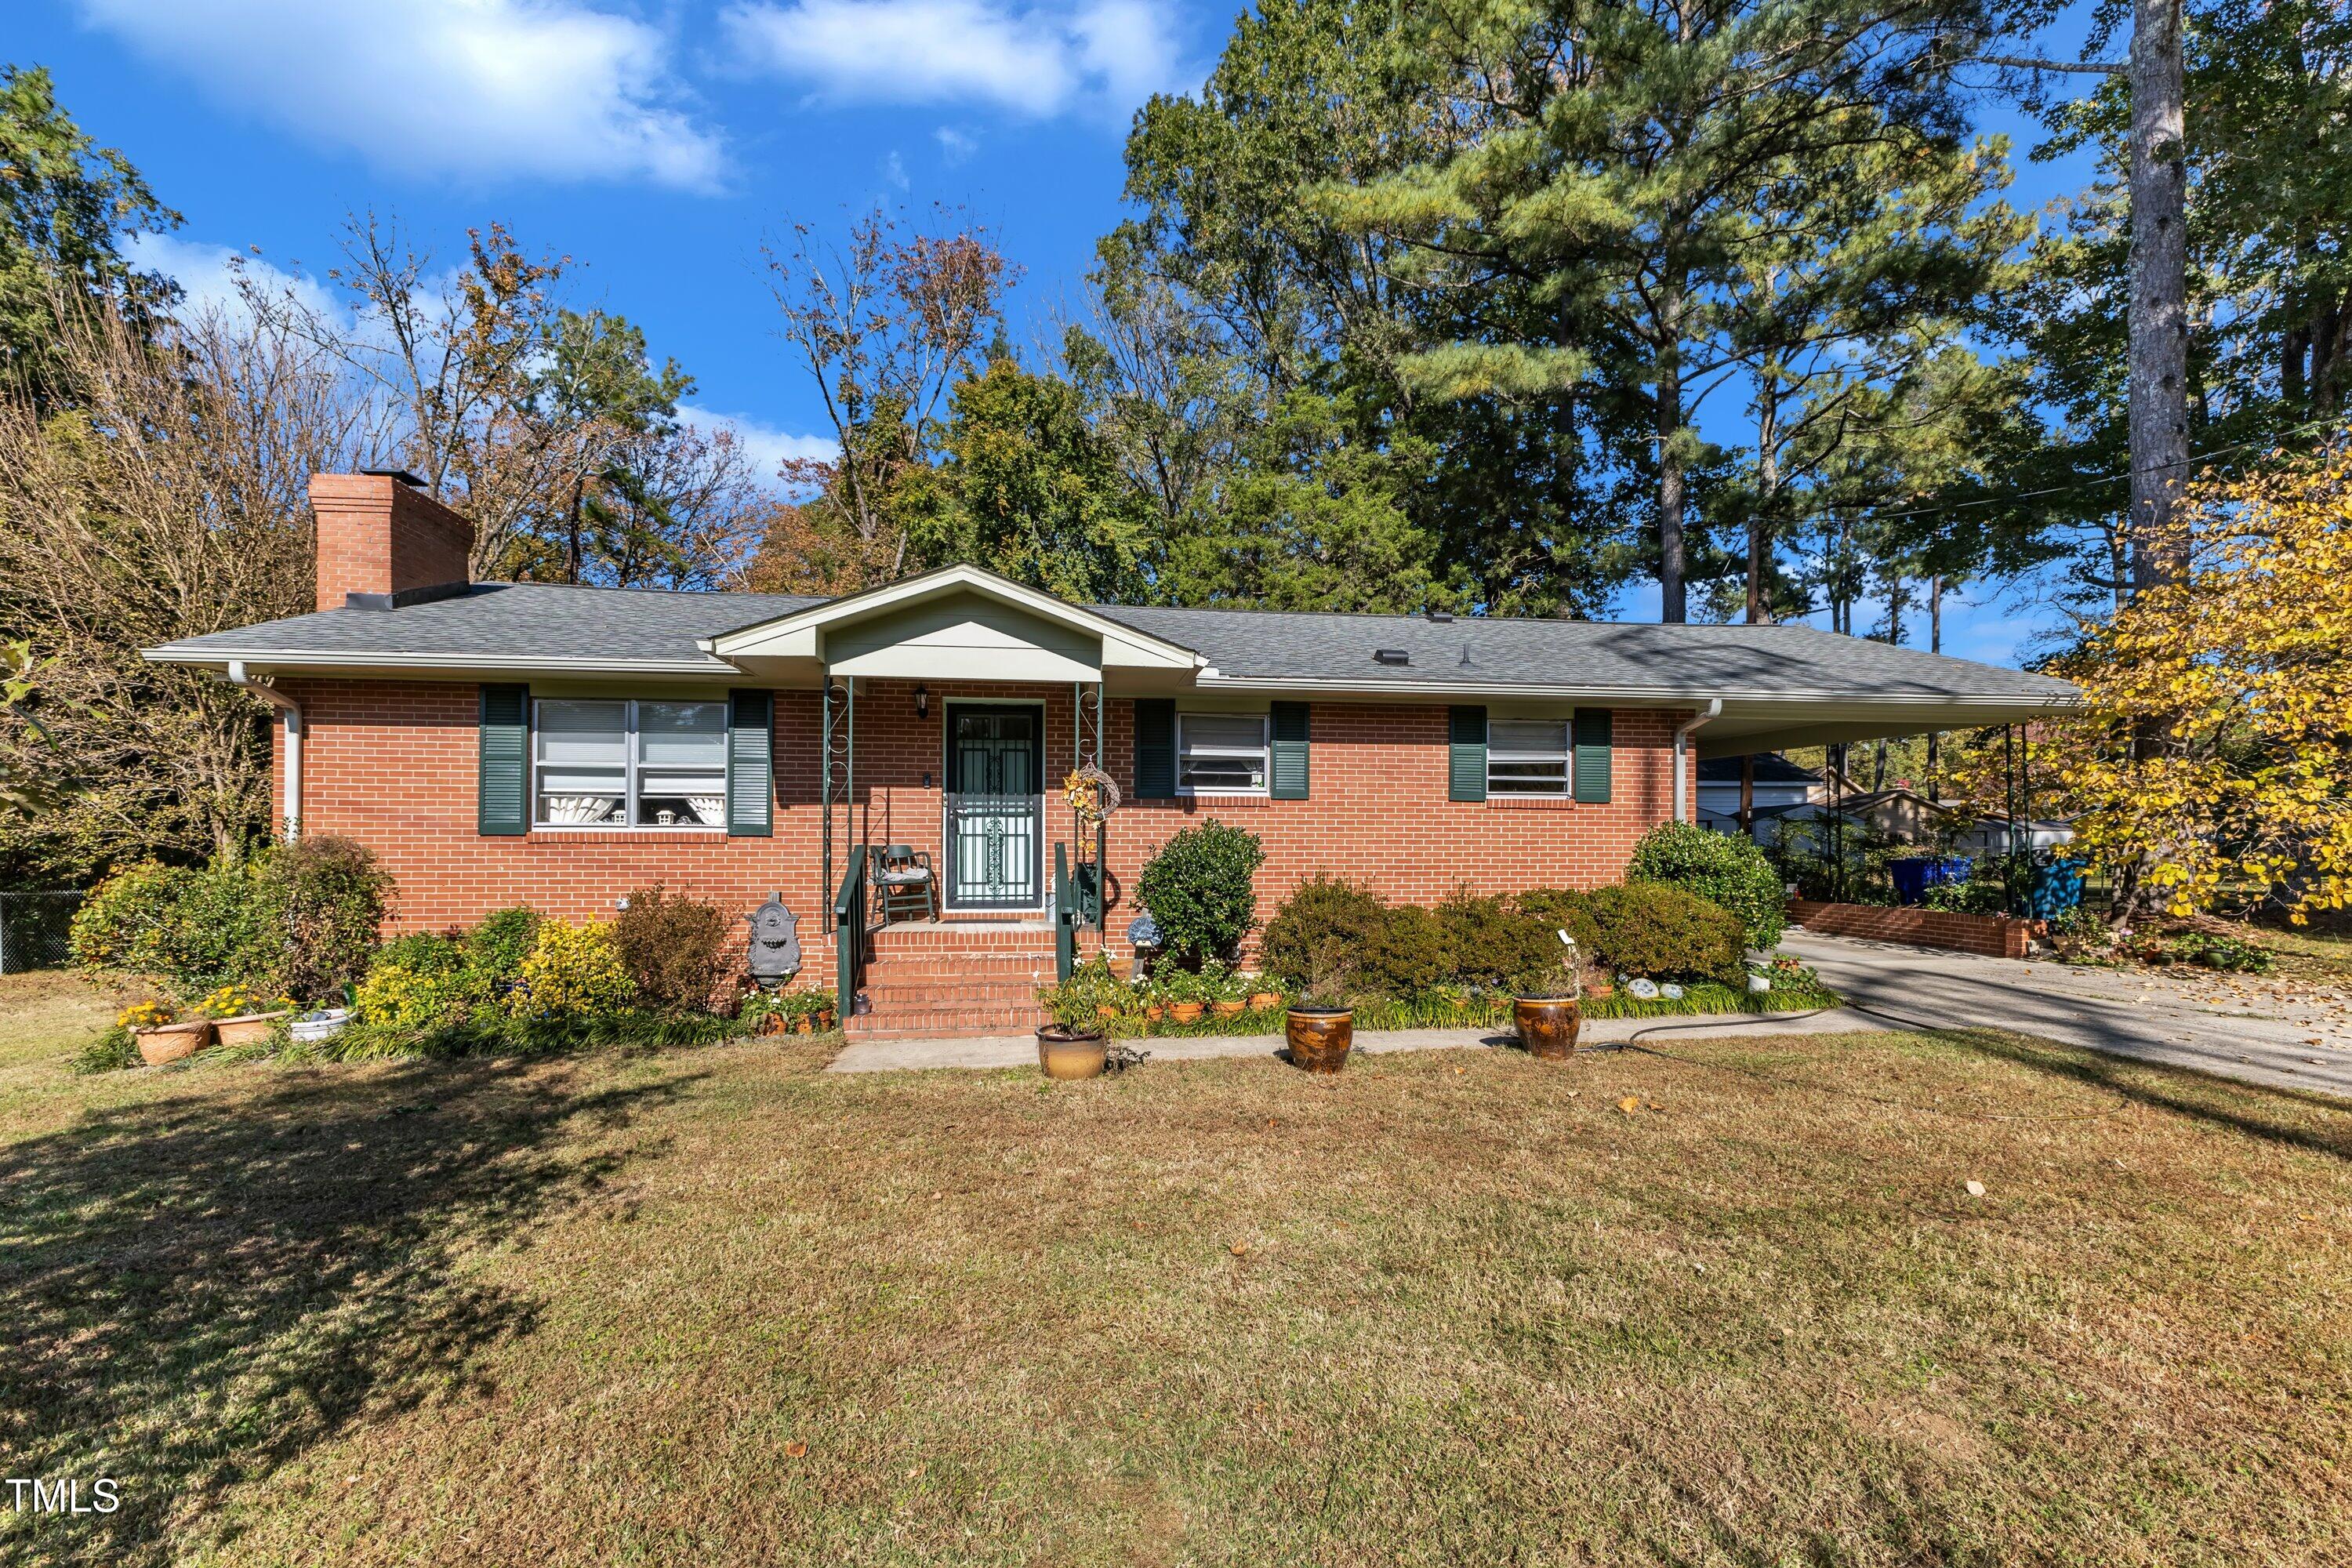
x=609 y=762
x=1528 y=757
x=1221 y=754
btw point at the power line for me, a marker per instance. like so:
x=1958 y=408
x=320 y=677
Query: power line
x=2070 y=489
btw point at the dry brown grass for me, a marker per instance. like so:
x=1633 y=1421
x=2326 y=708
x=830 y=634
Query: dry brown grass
x=1449 y=1308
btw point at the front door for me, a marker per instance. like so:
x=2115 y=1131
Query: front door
x=996 y=807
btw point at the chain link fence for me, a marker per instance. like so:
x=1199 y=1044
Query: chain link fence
x=34 y=930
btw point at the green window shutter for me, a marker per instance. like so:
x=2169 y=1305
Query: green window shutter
x=750 y=764
x=1287 y=776
x=503 y=781
x=1155 y=748
x=1592 y=727
x=1465 y=769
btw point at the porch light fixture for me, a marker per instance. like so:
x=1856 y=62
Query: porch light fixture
x=922 y=701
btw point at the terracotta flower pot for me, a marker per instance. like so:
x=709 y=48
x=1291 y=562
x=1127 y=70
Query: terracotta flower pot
x=1547 y=1025
x=1320 y=1037
x=1598 y=989
x=246 y=1028
x=1156 y=1012
x=1104 y=1010
x=1228 y=1008
x=1123 y=967
x=1065 y=1055
x=1260 y=1000
x=1184 y=1012
x=169 y=1043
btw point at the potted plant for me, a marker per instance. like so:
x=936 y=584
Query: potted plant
x=1319 y=1031
x=162 y=1038
x=1261 y=994
x=1227 y=993
x=1072 y=1045
x=1187 y=996
x=241 y=1018
x=1549 y=1017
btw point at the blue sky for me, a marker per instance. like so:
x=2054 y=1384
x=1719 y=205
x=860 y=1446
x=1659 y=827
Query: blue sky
x=657 y=144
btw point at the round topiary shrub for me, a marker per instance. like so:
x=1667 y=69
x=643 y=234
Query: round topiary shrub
x=1725 y=868
x=1201 y=889
x=1498 y=945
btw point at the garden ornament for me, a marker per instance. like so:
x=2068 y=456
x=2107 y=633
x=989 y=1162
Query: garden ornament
x=775 y=951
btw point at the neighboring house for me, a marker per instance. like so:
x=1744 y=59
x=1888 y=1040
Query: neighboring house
x=1908 y=818
x=499 y=743
x=1781 y=787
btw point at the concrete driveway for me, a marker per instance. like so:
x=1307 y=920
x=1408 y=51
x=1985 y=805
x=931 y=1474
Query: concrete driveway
x=2259 y=1030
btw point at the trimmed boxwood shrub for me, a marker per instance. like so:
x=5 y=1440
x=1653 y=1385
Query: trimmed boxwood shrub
x=1725 y=868
x=1316 y=941
x=321 y=901
x=1408 y=954
x=1654 y=929
x=1200 y=888
x=1498 y=945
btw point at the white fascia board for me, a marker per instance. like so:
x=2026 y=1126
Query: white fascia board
x=457 y=664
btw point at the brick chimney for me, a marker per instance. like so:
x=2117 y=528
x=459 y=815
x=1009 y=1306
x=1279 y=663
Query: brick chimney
x=384 y=543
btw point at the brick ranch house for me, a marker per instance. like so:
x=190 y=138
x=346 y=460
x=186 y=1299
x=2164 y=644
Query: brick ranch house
x=498 y=742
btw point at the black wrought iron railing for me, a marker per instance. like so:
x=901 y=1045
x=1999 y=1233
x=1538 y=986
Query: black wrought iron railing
x=850 y=932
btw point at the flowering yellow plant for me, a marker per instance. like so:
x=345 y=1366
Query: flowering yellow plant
x=145 y=1016
x=571 y=969
x=235 y=1002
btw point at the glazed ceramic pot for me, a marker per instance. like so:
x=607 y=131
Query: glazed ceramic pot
x=1547 y=1024
x=1320 y=1037
x=1066 y=1056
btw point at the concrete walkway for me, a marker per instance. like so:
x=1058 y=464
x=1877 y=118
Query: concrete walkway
x=2262 y=1031
x=1021 y=1050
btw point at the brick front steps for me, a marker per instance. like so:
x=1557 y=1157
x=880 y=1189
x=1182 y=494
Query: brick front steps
x=954 y=978
x=1991 y=936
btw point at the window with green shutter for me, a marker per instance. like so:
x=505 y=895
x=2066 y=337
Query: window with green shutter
x=750 y=764
x=1155 y=748
x=503 y=778
x=1290 y=748
x=1593 y=756
x=1466 y=753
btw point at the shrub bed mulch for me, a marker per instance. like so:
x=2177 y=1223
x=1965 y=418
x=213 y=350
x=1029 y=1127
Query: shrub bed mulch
x=1703 y=998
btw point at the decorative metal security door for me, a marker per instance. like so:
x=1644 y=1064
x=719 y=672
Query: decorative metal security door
x=996 y=808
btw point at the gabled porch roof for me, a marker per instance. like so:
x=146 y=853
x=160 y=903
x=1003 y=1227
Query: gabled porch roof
x=959 y=623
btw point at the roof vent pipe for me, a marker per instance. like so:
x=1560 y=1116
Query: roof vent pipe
x=261 y=688
x=1683 y=733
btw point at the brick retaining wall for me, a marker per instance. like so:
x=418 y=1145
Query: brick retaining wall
x=1994 y=936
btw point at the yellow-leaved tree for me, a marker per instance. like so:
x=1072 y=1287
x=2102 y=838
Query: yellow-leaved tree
x=2211 y=761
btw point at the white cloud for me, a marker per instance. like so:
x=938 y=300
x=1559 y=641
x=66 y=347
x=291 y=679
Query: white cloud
x=481 y=88
x=1039 y=60
x=894 y=169
x=768 y=447
x=955 y=146
x=208 y=276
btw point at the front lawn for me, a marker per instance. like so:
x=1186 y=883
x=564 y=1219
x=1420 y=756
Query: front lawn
x=1452 y=1307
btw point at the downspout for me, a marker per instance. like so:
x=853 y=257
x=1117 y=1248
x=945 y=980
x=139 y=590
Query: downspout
x=261 y=688
x=1682 y=753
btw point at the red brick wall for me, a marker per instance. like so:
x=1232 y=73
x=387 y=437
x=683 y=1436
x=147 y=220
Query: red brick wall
x=393 y=765
x=1993 y=936
x=377 y=535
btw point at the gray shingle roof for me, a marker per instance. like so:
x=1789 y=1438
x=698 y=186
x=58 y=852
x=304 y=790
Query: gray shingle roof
x=1772 y=768
x=548 y=625
x=1602 y=656
x=514 y=620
